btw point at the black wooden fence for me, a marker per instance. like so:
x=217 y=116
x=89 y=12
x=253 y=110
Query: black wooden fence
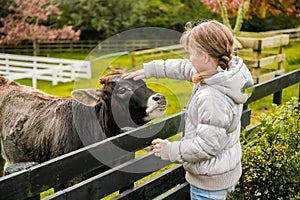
x=169 y=184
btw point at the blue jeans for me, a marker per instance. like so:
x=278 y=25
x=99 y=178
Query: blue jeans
x=200 y=194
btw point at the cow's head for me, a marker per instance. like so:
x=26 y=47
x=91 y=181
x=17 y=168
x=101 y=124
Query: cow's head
x=130 y=102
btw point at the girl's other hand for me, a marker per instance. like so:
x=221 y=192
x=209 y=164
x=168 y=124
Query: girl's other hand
x=136 y=75
x=157 y=144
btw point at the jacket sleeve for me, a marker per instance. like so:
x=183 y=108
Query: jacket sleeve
x=180 y=69
x=209 y=138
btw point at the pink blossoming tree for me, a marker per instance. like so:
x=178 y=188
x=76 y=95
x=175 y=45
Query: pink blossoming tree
x=27 y=23
x=229 y=8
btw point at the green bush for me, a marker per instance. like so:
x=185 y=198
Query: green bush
x=271 y=156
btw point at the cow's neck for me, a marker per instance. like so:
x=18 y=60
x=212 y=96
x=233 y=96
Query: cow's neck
x=106 y=119
x=94 y=123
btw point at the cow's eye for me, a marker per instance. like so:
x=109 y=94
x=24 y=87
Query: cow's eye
x=122 y=90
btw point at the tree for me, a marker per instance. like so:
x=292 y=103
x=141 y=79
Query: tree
x=275 y=7
x=99 y=19
x=28 y=21
x=175 y=14
x=4 y=5
x=240 y=9
x=229 y=8
x=166 y=14
x=257 y=8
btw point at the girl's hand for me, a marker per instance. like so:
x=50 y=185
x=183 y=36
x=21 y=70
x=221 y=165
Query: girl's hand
x=157 y=144
x=136 y=75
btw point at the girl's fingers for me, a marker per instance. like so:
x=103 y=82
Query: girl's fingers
x=157 y=154
x=136 y=75
x=156 y=149
x=156 y=141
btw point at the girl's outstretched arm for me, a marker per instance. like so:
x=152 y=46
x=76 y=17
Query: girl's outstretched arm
x=136 y=75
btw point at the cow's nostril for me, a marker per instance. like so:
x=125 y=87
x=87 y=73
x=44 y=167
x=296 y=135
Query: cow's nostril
x=157 y=97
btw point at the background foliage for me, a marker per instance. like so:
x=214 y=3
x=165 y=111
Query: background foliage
x=270 y=22
x=28 y=20
x=261 y=15
x=100 y=19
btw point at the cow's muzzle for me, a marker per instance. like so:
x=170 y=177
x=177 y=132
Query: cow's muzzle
x=156 y=105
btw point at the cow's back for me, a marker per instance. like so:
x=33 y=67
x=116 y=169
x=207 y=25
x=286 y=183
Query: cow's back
x=5 y=81
x=29 y=122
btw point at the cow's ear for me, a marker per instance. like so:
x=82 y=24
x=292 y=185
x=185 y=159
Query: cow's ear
x=88 y=97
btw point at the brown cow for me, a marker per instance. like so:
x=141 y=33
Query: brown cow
x=36 y=127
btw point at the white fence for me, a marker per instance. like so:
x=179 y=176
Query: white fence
x=56 y=70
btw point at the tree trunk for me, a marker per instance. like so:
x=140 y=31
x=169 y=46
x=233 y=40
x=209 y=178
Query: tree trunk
x=35 y=48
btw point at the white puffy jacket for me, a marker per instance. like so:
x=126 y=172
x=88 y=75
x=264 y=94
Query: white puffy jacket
x=210 y=149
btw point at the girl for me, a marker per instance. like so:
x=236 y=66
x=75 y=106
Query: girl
x=210 y=149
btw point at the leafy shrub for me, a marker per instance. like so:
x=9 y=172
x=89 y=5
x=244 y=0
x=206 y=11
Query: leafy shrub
x=271 y=156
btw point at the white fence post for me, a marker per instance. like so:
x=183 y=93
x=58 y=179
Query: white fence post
x=89 y=69
x=34 y=78
x=59 y=72
x=7 y=65
x=54 y=77
x=73 y=71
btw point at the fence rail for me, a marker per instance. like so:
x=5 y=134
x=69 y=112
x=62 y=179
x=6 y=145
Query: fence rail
x=42 y=68
x=142 y=56
x=43 y=48
x=169 y=184
x=294 y=34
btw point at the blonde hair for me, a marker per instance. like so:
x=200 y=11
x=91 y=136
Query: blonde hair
x=211 y=37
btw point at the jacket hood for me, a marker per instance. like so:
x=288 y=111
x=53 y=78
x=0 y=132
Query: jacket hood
x=232 y=82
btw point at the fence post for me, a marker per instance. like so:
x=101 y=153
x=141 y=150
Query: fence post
x=256 y=55
x=2 y=164
x=73 y=71
x=277 y=97
x=7 y=65
x=54 y=77
x=246 y=116
x=34 y=78
x=132 y=55
x=299 y=97
x=60 y=71
x=89 y=68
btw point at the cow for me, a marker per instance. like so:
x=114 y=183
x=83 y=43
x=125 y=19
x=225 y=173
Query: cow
x=36 y=127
